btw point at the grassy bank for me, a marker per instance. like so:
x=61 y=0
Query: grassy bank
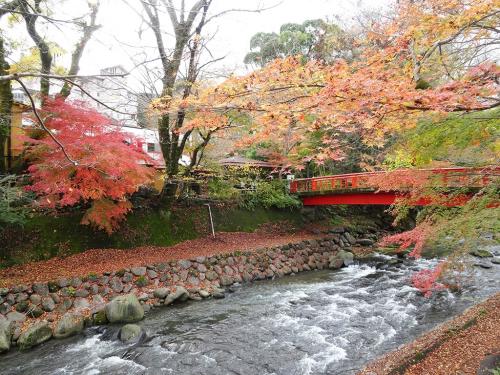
x=44 y=237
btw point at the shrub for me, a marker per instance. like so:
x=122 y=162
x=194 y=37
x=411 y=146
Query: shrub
x=222 y=189
x=270 y=194
x=141 y=281
x=14 y=201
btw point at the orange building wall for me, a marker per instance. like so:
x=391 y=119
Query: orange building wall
x=17 y=132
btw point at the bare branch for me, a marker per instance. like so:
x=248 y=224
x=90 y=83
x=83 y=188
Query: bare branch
x=194 y=12
x=154 y=23
x=15 y=76
x=242 y=11
x=171 y=13
x=430 y=51
x=88 y=30
x=72 y=83
x=9 y=9
x=42 y=124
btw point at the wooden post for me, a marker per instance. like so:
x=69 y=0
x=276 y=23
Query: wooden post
x=211 y=219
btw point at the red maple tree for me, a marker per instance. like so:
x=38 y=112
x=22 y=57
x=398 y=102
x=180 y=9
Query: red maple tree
x=109 y=165
x=426 y=281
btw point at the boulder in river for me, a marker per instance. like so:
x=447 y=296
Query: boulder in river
x=335 y=263
x=180 y=294
x=481 y=253
x=35 y=335
x=347 y=257
x=341 y=258
x=130 y=332
x=124 y=309
x=5 y=334
x=161 y=293
x=204 y=293
x=218 y=293
x=483 y=265
x=69 y=325
x=99 y=317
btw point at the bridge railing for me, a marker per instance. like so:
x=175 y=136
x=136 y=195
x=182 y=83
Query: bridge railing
x=442 y=177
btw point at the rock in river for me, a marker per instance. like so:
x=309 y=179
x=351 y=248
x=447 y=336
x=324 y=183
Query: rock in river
x=124 y=309
x=5 y=333
x=341 y=258
x=180 y=294
x=161 y=293
x=130 y=332
x=481 y=253
x=69 y=325
x=34 y=335
x=335 y=263
x=483 y=265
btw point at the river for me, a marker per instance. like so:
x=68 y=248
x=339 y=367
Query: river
x=322 y=322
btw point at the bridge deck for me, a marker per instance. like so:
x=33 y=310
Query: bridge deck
x=362 y=188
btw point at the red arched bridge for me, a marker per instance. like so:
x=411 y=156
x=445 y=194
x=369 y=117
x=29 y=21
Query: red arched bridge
x=383 y=188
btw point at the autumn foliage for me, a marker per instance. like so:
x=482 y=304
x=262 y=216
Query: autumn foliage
x=411 y=64
x=109 y=165
x=426 y=281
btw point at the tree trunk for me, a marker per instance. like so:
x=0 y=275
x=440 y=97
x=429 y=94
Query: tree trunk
x=171 y=142
x=76 y=56
x=6 y=100
x=43 y=47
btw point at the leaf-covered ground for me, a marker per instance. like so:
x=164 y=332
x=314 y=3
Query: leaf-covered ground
x=464 y=351
x=456 y=347
x=107 y=260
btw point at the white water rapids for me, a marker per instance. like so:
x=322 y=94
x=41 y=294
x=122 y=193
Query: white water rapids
x=323 y=322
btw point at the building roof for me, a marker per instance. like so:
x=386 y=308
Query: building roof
x=240 y=161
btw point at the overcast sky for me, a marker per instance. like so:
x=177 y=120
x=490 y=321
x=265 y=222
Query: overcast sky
x=119 y=41
x=114 y=43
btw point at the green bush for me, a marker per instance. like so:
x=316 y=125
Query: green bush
x=222 y=189
x=141 y=281
x=13 y=201
x=270 y=194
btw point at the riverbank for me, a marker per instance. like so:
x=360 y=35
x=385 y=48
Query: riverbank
x=97 y=261
x=32 y=313
x=460 y=346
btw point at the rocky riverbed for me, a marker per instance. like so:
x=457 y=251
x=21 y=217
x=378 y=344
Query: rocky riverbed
x=349 y=312
x=32 y=314
x=318 y=322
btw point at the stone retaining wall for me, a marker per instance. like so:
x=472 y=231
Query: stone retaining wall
x=31 y=314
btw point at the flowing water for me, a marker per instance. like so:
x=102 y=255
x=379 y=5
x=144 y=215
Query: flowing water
x=323 y=322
